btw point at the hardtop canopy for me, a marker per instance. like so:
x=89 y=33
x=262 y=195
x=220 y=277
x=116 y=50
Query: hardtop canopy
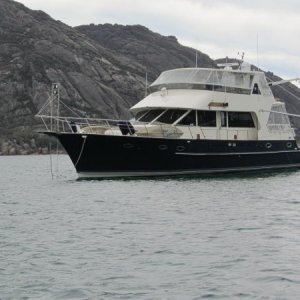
x=215 y=77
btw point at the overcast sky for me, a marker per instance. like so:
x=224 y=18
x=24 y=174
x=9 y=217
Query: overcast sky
x=268 y=31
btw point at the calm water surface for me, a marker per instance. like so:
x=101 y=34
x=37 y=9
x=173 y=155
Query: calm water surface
x=224 y=237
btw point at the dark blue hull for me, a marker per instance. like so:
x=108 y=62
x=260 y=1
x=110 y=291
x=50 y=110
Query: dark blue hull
x=110 y=156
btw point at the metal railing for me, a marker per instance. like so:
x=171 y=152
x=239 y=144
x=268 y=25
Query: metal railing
x=136 y=128
x=108 y=127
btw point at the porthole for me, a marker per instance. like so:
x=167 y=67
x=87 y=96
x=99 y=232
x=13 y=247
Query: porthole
x=289 y=145
x=268 y=145
x=128 y=146
x=162 y=147
x=180 y=148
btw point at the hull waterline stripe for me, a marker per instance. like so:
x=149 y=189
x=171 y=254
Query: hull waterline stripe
x=235 y=153
x=181 y=172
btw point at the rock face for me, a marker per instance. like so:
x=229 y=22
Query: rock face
x=154 y=53
x=36 y=50
x=101 y=70
x=95 y=80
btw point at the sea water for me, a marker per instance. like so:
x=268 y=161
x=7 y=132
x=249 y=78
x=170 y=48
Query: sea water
x=216 y=237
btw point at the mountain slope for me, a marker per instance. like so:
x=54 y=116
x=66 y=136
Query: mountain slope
x=156 y=53
x=36 y=50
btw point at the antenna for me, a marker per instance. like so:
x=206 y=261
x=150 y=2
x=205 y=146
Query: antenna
x=242 y=55
x=146 y=83
x=257 y=51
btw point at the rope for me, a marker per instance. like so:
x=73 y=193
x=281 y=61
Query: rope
x=74 y=112
x=286 y=90
x=280 y=113
x=283 y=88
x=44 y=105
x=50 y=150
x=49 y=101
x=57 y=164
x=84 y=139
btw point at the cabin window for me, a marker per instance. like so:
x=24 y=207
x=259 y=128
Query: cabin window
x=278 y=120
x=240 y=119
x=151 y=115
x=189 y=119
x=206 y=118
x=255 y=90
x=198 y=86
x=141 y=114
x=171 y=116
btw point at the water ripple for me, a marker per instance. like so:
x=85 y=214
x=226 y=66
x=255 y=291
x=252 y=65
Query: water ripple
x=202 y=237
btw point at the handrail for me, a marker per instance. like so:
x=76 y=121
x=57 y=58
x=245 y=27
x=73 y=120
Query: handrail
x=76 y=118
x=112 y=127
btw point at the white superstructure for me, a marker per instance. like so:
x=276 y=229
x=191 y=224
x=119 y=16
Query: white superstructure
x=215 y=104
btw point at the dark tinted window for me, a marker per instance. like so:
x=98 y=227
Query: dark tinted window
x=206 y=118
x=256 y=89
x=195 y=86
x=151 y=115
x=140 y=114
x=240 y=119
x=170 y=116
x=189 y=119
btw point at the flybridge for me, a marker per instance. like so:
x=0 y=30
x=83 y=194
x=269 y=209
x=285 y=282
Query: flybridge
x=241 y=82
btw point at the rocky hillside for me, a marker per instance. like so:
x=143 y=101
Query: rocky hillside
x=101 y=70
x=36 y=50
x=155 y=53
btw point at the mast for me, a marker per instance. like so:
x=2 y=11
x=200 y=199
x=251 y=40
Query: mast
x=55 y=105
